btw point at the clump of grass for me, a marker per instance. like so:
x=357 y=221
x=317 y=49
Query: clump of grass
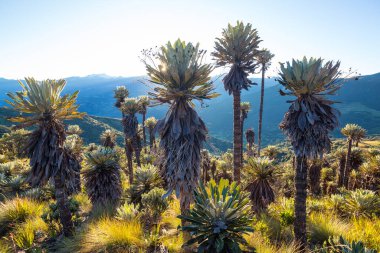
x=261 y=245
x=18 y=210
x=113 y=236
x=26 y=234
x=323 y=226
x=365 y=230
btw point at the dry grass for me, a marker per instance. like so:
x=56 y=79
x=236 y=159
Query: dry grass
x=114 y=236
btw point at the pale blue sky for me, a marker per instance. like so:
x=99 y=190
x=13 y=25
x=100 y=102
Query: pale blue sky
x=52 y=39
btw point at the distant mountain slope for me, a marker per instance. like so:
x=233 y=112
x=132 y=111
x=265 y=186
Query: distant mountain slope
x=93 y=126
x=359 y=103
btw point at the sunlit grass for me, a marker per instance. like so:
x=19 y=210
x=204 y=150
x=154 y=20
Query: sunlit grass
x=322 y=226
x=169 y=217
x=26 y=234
x=262 y=245
x=113 y=235
x=17 y=210
x=173 y=242
x=365 y=230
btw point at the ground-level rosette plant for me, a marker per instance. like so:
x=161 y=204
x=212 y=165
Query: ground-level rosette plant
x=219 y=218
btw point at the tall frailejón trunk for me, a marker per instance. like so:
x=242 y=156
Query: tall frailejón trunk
x=136 y=144
x=342 y=166
x=151 y=138
x=143 y=126
x=300 y=181
x=63 y=205
x=129 y=153
x=347 y=167
x=261 y=110
x=237 y=136
x=242 y=138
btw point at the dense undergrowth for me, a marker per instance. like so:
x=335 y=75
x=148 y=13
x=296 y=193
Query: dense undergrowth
x=143 y=221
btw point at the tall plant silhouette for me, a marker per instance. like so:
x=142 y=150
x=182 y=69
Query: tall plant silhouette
x=42 y=105
x=245 y=107
x=237 y=49
x=129 y=108
x=354 y=134
x=308 y=122
x=263 y=58
x=151 y=124
x=181 y=76
x=144 y=103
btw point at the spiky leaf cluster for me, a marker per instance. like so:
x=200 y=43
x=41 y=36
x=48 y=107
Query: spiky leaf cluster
x=181 y=76
x=120 y=93
x=237 y=48
x=310 y=117
x=271 y=151
x=74 y=129
x=42 y=99
x=219 y=218
x=260 y=173
x=180 y=73
x=145 y=179
x=44 y=106
x=154 y=203
x=245 y=107
x=108 y=138
x=264 y=58
x=127 y=212
x=150 y=123
x=354 y=132
x=371 y=173
x=102 y=176
x=144 y=102
x=130 y=106
x=337 y=245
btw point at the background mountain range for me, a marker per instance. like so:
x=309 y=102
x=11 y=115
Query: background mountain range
x=359 y=103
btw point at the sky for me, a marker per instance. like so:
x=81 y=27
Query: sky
x=57 y=39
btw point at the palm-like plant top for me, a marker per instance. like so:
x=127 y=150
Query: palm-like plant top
x=264 y=58
x=150 y=122
x=74 y=129
x=237 y=48
x=102 y=176
x=245 y=106
x=180 y=73
x=41 y=99
x=311 y=117
x=310 y=77
x=260 y=168
x=353 y=131
x=102 y=159
x=121 y=92
x=131 y=106
x=144 y=102
x=108 y=134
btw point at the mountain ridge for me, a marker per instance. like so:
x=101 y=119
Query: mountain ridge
x=359 y=103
